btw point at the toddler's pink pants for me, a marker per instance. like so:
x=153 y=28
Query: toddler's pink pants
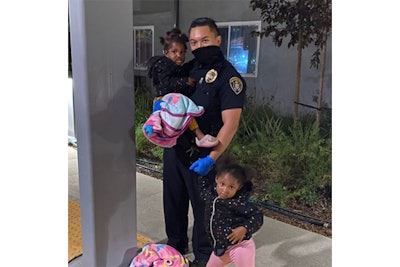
x=242 y=255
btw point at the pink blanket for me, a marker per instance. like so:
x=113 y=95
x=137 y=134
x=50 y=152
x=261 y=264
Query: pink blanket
x=172 y=120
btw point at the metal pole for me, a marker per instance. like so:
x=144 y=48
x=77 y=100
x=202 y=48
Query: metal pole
x=102 y=53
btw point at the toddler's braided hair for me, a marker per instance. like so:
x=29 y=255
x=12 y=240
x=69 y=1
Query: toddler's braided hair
x=172 y=36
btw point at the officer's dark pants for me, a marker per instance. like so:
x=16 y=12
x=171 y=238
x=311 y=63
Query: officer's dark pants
x=179 y=186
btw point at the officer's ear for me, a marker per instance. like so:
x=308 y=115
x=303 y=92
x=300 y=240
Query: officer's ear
x=219 y=40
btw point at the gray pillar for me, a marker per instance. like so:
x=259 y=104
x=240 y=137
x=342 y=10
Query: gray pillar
x=102 y=53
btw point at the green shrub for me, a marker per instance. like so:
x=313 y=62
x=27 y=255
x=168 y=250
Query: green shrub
x=143 y=108
x=292 y=161
x=277 y=194
x=297 y=158
x=144 y=148
x=157 y=153
x=142 y=144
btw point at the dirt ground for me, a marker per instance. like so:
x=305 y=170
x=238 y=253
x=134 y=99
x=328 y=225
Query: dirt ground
x=322 y=213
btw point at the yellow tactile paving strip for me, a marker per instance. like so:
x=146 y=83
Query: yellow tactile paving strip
x=75 y=234
x=74 y=230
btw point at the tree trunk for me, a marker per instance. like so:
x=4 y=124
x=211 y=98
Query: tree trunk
x=298 y=76
x=321 y=78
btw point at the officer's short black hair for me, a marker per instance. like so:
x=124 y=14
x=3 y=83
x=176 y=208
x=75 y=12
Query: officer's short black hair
x=204 y=21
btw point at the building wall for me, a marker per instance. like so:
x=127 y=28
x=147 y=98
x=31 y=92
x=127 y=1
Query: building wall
x=275 y=83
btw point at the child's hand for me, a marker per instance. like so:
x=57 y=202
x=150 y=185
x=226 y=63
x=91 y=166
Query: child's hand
x=191 y=81
x=237 y=235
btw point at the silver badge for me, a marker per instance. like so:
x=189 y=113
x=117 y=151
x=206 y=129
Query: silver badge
x=211 y=76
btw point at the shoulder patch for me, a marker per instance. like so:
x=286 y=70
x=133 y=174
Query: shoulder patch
x=236 y=84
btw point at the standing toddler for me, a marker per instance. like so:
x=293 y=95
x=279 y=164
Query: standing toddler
x=231 y=219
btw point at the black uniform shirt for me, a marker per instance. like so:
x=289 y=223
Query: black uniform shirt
x=225 y=91
x=218 y=87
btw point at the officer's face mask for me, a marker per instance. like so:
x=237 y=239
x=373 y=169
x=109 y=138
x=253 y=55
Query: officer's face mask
x=207 y=55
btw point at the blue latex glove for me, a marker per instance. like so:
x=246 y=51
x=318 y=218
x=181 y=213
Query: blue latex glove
x=202 y=166
x=148 y=129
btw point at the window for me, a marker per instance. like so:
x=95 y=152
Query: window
x=239 y=47
x=143 y=46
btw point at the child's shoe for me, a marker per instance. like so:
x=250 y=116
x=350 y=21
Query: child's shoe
x=207 y=141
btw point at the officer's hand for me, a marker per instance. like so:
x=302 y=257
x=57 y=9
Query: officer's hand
x=148 y=129
x=202 y=166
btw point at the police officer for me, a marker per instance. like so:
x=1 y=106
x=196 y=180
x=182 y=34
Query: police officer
x=221 y=91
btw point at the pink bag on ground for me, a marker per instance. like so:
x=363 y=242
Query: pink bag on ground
x=159 y=255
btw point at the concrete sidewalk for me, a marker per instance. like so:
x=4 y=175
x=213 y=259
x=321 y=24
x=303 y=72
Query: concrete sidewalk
x=278 y=244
